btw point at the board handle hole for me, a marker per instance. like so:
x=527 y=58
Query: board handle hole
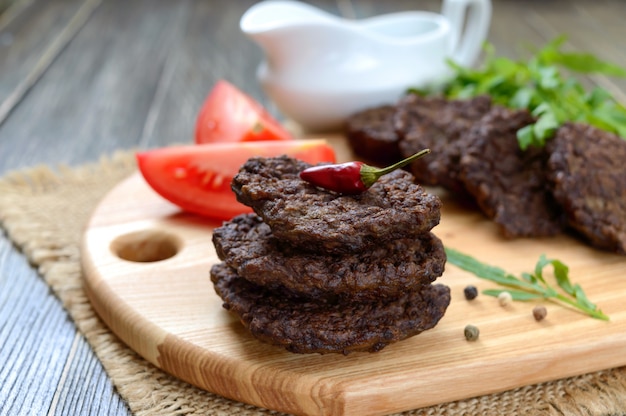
x=146 y=246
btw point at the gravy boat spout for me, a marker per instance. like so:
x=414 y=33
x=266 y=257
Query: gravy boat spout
x=291 y=34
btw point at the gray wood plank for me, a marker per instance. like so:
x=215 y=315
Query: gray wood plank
x=36 y=341
x=210 y=48
x=96 y=96
x=135 y=74
x=84 y=387
x=27 y=319
x=30 y=39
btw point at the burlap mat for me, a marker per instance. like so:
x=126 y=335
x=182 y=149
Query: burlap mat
x=43 y=212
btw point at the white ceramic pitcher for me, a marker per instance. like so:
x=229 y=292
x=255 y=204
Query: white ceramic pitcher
x=320 y=68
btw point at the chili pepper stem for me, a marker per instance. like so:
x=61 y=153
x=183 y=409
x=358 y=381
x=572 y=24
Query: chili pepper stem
x=370 y=174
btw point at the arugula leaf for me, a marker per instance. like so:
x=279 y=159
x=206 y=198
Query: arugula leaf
x=539 y=86
x=526 y=137
x=582 y=62
x=544 y=128
x=530 y=286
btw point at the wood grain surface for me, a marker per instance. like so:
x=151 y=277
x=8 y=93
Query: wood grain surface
x=146 y=268
x=82 y=78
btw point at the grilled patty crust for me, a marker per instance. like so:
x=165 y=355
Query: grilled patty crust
x=587 y=174
x=372 y=135
x=317 y=220
x=247 y=245
x=437 y=124
x=319 y=326
x=509 y=184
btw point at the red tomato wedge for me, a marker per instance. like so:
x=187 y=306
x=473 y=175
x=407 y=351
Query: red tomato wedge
x=229 y=115
x=197 y=177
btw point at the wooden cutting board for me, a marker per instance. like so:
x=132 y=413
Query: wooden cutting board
x=147 y=267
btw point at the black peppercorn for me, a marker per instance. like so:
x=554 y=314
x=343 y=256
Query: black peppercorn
x=470 y=292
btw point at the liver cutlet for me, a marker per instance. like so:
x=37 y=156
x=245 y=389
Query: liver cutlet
x=322 y=221
x=437 y=124
x=303 y=325
x=509 y=184
x=371 y=134
x=587 y=173
x=247 y=245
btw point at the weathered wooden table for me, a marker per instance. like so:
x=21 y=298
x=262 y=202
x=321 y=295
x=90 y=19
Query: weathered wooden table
x=83 y=78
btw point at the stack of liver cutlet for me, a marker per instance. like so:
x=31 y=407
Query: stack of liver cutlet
x=314 y=271
x=577 y=181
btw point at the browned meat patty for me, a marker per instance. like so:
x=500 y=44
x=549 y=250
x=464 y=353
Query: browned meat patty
x=372 y=136
x=318 y=326
x=587 y=170
x=509 y=185
x=317 y=220
x=246 y=244
x=437 y=123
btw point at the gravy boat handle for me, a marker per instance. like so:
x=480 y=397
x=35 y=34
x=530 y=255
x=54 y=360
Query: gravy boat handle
x=469 y=21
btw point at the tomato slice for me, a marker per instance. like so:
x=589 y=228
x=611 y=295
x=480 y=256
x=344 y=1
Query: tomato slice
x=229 y=115
x=197 y=177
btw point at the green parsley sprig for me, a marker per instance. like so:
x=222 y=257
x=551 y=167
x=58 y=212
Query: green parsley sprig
x=530 y=286
x=539 y=86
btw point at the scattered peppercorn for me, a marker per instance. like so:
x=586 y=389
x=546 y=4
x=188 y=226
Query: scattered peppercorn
x=471 y=332
x=505 y=298
x=540 y=312
x=470 y=292
x=351 y=177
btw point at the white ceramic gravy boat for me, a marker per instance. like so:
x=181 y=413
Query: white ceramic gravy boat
x=320 y=68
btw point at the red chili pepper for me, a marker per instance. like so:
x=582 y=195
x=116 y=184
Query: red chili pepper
x=351 y=177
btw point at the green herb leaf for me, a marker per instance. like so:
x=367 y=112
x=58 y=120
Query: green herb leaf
x=523 y=98
x=544 y=128
x=539 y=86
x=561 y=273
x=530 y=286
x=585 y=63
x=526 y=137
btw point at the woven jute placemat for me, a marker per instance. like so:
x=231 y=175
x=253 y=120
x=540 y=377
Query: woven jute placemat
x=43 y=211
